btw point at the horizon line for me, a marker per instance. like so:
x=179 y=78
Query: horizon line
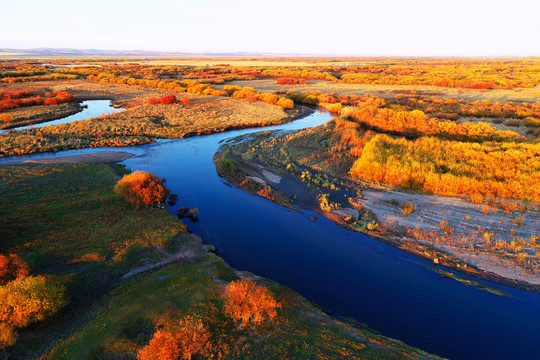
x=80 y=52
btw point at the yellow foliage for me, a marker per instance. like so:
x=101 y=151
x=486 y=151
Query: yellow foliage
x=142 y=188
x=32 y=299
x=246 y=301
x=502 y=170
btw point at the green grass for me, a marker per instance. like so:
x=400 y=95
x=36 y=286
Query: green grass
x=64 y=212
x=66 y=220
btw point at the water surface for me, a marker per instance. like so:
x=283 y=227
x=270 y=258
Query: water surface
x=93 y=108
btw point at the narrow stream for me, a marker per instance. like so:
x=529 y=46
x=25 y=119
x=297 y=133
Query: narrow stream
x=345 y=272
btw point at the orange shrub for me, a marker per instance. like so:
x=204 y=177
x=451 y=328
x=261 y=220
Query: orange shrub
x=58 y=97
x=453 y=168
x=31 y=299
x=168 y=99
x=291 y=81
x=6 y=118
x=8 y=336
x=153 y=101
x=179 y=339
x=246 y=301
x=142 y=188
x=285 y=103
x=12 y=267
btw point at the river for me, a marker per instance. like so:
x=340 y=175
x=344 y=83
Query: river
x=346 y=272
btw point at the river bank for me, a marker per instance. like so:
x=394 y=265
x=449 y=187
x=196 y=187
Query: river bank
x=446 y=231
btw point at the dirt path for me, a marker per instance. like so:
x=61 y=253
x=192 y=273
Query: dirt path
x=186 y=247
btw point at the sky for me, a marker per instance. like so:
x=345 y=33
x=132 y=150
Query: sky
x=330 y=27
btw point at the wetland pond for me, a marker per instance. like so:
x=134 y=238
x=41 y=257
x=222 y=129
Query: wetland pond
x=347 y=273
x=91 y=109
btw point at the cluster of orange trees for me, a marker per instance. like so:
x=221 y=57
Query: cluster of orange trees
x=190 y=86
x=375 y=112
x=311 y=97
x=165 y=100
x=142 y=188
x=25 y=299
x=197 y=88
x=12 y=68
x=453 y=168
x=250 y=94
x=12 y=71
x=458 y=74
x=303 y=72
x=416 y=122
x=14 y=100
x=290 y=81
x=428 y=154
x=445 y=108
x=182 y=337
x=452 y=108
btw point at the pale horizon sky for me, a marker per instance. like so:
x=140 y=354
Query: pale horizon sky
x=339 y=27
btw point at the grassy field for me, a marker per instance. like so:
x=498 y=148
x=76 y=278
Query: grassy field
x=65 y=219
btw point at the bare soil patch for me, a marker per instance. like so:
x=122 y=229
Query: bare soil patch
x=462 y=229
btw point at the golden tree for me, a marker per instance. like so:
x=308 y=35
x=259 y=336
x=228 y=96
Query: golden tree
x=246 y=301
x=7 y=335
x=31 y=299
x=142 y=188
x=179 y=339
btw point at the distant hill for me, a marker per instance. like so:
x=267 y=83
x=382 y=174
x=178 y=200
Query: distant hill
x=68 y=52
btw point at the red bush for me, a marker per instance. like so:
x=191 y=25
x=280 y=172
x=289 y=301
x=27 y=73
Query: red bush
x=12 y=267
x=291 y=81
x=185 y=100
x=168 y=99
x=246 y=301
x=142 y=188
x=51 y=101
x=180 y=339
